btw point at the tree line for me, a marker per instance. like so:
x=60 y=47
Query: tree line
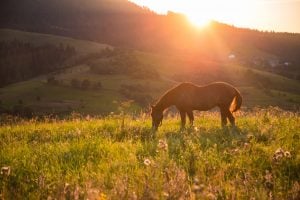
x=21 y=60
x=121 y=61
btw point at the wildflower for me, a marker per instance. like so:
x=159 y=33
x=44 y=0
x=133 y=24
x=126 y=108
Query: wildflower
x=278 y=155
x=66 y=188
x=93 y=193
x=166 y=194
x=147 y=162
x=133 y=196
x=268 y=176
x=5 y=171
x=41 y=181
x=88 y=117
x=268 y=180
x=246 y=145
x=235 y=151
x=295 y=191
x=196 y=128
x=211 y=196
x=287 y=154
x=162 y=144
x=102 y=196
x=78 y=131
x=196 y=180
x=250 y=136
x=279 y=151
x=197 y=188
x=271 y=195
x=76 y=192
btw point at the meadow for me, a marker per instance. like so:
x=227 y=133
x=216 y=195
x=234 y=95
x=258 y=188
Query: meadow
x=119 y=157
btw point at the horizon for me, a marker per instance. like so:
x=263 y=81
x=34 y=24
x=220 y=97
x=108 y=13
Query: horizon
x=270 y=15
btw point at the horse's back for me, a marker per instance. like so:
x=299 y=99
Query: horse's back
x=203 y=97
x=220 y=87
x=220 y=92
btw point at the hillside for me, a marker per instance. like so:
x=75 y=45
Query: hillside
x=114 y=75
x=124 y=24
x=117 y=157
x=83 y=47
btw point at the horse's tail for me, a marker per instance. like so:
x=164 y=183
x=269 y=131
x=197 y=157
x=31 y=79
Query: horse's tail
x=236 y=102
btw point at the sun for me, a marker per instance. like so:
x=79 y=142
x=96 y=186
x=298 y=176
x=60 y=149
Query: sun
x=198 y=20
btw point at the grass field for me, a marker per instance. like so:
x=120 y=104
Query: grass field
x=118 y=157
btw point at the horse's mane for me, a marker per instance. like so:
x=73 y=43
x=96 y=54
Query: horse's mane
x=165 y=97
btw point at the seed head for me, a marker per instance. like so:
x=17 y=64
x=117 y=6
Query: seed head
x=147 y=162
x=278 y=155
x=5 y=171
x=163 y=145
x=287 y=154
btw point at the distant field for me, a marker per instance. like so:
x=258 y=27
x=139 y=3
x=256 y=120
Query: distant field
x=117 y=157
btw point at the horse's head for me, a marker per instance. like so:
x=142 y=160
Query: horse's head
x=157 y=116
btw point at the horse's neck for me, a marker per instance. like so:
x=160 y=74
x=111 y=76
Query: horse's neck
x=164 y=103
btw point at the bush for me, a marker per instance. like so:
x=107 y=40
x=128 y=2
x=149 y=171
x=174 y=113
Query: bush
x=136 y=93
x=97 y=85
x=85 y=84
x=23 y=111
x=38 y=98
x=75 y=83
x=123 y=62
x=52 y=80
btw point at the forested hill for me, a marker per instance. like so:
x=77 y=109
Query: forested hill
x=122 y=23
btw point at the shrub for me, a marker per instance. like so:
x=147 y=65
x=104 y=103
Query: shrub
x=75 y=83
x=38 y=98
x=23 y=111
x=97 y=85
x=85 y=84
x=52 y=80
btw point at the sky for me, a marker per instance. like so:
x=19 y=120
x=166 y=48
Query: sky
x=270 y=15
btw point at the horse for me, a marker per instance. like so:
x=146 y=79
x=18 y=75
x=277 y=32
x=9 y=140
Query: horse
x=187 y=97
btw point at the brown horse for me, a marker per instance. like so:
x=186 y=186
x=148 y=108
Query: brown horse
x=188 y=97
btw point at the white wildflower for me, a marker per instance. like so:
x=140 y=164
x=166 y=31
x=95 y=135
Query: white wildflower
x=287 y=154
x=5 y=171
x=147 y=162
x=162 y=144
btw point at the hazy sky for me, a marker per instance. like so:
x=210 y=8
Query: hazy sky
x=277 y=15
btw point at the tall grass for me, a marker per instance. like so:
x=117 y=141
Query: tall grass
x=118 y=157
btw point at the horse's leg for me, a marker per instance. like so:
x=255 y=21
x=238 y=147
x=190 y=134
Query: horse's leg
x=223 y=116
x=230 y=117
x=183 y=118
x=191 y=117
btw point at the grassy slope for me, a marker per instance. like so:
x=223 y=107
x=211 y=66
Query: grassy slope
x=59 y=99
x=100 y=158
